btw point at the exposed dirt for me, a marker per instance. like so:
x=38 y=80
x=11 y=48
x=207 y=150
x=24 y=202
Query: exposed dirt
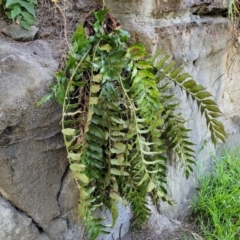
x=186 y=231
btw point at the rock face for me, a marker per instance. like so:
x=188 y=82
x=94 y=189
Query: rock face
x=32 y=158
x=38 y=197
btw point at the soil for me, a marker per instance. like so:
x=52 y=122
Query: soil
x=186 y=231
x=56 y=23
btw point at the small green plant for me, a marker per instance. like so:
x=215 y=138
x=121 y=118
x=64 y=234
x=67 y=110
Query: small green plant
x=218 y=206
x=119 y=120
x=20 y=11
x=233 y=9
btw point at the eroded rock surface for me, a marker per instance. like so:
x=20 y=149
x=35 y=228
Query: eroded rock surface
x=32 y=156
x=15 y=225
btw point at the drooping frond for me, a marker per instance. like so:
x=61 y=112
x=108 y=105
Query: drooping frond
x=118 y=122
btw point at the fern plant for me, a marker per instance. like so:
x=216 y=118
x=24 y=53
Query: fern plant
x=118 y=122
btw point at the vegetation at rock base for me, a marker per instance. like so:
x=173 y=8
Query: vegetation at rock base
x=20 y=11
x=217 y=209
x=119 y=120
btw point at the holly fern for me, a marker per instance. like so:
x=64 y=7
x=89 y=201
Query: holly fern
x=118 y=121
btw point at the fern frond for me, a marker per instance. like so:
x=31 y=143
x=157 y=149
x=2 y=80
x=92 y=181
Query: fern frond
x=198 y=93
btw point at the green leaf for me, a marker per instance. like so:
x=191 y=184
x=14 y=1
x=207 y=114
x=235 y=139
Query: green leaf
x=160 y=64
x=116 y=197
x=144 y=178
x=143 y=65
x=75 y=167
x=60 y=94
x=146 y=74
x=167 y=69
x=213 y=108
x=189 y=84
x=114 y=211
x=203 y=95
x=28 y=17
x=117 y=172
x=100 y=15
x=120 y=146
x=82 y=177
x=105 y=47
x=119 y=163
x=25 y=24
x=29 y=7
x=182 y=77
x=175 y=72
x=46 y=98
x=15 y=12
x=151 y=186
x=74 y=156
x=196 y=89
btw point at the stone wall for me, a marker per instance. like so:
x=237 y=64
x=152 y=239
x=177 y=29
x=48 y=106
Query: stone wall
x=38 y=197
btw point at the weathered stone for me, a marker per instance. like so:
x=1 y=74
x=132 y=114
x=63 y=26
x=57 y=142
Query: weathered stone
x=32 y=155
x=3 y=24
x=14 y=225
x=20 y=34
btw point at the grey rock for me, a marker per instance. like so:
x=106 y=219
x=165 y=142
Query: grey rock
x=20 y=34
x=14 y=225
x=32 y=155
x=3 y=24
x=69 y=194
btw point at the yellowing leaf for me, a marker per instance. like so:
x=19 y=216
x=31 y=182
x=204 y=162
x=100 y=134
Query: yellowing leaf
x=82 y=177
x=120 y=146
x=77 y=167
x=97 y=78
x=150 y=186
x=69 y=131
x=94 y=88
x=83 y=193
x=118 y=163
x=89 y=116
x=74 y=156
x=105 y=47
x=93 y=100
